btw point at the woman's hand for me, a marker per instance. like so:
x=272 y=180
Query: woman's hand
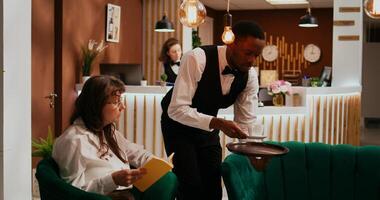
x=126 y=177
x=230 y=128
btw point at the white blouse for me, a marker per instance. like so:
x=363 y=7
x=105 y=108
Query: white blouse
x=76 y=153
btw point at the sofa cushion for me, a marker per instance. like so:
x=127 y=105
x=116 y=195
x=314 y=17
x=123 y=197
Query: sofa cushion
x=309 y=171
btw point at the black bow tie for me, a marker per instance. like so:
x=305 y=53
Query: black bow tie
x=175 y=63
x=229 y=70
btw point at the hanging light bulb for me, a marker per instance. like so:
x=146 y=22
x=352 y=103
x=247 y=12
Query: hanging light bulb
x=228 y=36
x=192 y=13
x=372 y=8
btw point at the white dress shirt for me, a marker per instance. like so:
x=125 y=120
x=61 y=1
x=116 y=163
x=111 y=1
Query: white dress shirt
x=175 y=68
x=190 y=73
x=76 y=153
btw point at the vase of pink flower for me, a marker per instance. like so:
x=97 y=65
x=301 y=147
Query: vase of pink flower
x=278 y=89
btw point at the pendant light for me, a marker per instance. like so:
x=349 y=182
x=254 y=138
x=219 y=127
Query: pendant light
x=308 y=21
x=192 y=13
x=164 y=25
x=372 y=8
x=228 y=36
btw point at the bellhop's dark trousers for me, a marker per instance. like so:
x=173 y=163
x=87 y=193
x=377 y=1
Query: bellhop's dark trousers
x=196 y=164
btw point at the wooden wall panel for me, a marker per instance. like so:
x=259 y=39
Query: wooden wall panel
x=153 y=11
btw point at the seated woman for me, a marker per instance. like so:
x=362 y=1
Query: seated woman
x=91 y=154
x=170 y=56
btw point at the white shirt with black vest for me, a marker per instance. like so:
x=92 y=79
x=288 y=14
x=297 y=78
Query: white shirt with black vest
x=190 y=73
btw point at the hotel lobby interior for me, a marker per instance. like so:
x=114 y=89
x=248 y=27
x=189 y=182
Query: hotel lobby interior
x=317 y=139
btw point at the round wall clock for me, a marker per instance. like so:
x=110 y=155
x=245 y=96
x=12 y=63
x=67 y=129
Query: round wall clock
x=312 y=53
x=270 y=53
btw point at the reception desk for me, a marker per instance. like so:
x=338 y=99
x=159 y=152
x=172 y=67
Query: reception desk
x=330 y=115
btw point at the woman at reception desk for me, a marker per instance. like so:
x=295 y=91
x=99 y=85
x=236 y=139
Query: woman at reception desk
x=326 y=114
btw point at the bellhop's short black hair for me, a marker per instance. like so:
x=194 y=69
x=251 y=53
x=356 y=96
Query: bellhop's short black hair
x=248 y=28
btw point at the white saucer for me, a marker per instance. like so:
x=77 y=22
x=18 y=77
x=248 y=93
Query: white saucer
x=256 y=137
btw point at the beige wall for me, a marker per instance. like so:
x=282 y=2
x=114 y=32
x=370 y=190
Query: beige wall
x=42 y=67
x=370 y=83
x=84 y=20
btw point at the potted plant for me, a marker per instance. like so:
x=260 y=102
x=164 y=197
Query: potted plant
x=315 y=82
x=278 y=89
x=143 y=81
x=90 y=52
x=163 y=77
x=43 y=147
x=196 y=39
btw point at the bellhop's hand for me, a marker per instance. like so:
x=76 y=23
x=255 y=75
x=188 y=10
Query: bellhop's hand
x=126 y=177
x=230 y=128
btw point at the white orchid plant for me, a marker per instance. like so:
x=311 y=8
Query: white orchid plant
x=280 y=87
x=90 y=52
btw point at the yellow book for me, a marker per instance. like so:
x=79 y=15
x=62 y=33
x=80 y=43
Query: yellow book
x=156 y=168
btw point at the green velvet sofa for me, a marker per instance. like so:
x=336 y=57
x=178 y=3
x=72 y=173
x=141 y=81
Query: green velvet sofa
x=52 y=187
x=310 y=171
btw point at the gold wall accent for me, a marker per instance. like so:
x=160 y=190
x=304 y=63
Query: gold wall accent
x=358 y=114
x=135 y=120
x=288 y=129
x=271 y=128
x=153 y=11
x=341 y=118
x=126 y=117
x=279 y=130
x=162 y=148
x=154 y=124
x=344 y=22
x=303 y=129
x=317 y=121
x=290 y=57
x=337 y=119
x=311 y=118
x=329 y=119
x=349 y=9
x=144 y=122
x=335 y=129
x=348 y=37
x=330 y=122
x=296 y=130
x=324 y=131
x=344 y=135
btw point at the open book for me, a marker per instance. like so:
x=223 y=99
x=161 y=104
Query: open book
x=156 y=168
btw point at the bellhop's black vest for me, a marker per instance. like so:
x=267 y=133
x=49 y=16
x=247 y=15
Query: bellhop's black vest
x=208 y=99
x=170 y=73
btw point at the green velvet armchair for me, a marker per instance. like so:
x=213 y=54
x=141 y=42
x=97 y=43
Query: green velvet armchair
x=52 y=187
x=310 y=171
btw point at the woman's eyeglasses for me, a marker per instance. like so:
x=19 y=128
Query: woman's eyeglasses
x=117 y=103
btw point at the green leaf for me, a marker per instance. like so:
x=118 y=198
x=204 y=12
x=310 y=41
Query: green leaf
x=43 y=147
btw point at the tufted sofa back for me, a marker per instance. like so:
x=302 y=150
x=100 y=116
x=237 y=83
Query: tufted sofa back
x=310 y=171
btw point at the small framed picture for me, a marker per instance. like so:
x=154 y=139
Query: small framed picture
x=113 y=23
x=325 y=77
x=326 y=74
